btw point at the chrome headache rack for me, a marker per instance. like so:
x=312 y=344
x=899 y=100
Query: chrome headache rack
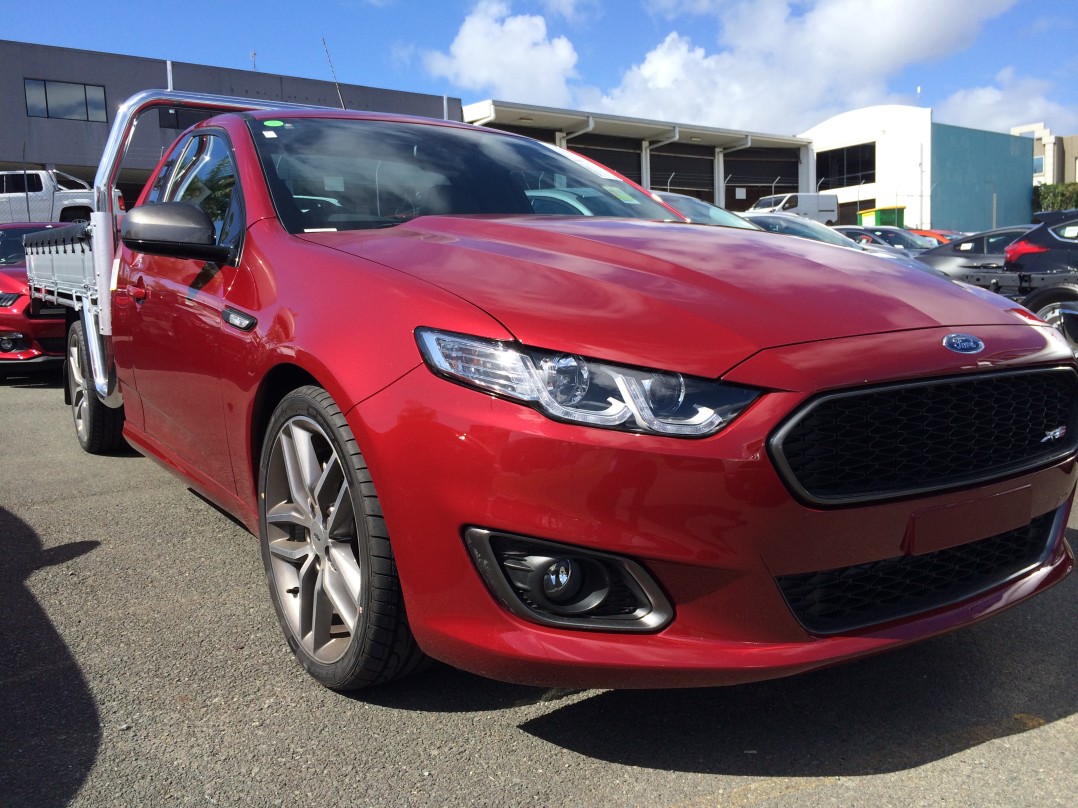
x=75 y=266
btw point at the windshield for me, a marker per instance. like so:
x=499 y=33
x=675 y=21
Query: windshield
x=331 y=174
x=768 y=202
x=697 y=210
x=11 y=249
x=805 y=228
x=902 y=238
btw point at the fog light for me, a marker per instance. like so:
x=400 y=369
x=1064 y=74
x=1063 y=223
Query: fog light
x=10 y=342
x=568 y=586
x=562 y=580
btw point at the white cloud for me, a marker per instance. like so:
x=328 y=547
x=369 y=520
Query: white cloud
x=1010 y=101
x=570 y=9
x=778 y=66
x=784 y=66
x=512 y=57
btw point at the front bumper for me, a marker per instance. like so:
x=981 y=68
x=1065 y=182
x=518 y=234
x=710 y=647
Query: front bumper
x=710 y=520
x=30 y=339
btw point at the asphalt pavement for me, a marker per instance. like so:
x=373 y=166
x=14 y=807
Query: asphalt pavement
x=141 y=665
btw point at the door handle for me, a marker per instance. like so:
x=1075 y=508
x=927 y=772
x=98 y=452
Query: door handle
x=137 y=290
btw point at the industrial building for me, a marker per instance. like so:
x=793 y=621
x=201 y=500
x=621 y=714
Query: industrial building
x=59 y=104
x=61 y=101
x=897 y=158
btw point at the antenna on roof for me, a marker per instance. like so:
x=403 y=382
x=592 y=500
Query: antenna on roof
x=333 y=73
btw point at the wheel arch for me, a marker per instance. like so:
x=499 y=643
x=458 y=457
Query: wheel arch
x=75 y=213
x=276 y=384
x=1062 y=291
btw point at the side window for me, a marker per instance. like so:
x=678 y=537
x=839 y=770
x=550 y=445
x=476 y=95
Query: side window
x=1067 y=231
x=969 y=245
x=205 y=175
x=19 y=183
x=160 y=182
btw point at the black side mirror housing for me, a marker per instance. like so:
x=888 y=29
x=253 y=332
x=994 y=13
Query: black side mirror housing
x=173 y=229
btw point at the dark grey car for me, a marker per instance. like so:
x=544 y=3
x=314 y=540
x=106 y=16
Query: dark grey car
x=977 y=252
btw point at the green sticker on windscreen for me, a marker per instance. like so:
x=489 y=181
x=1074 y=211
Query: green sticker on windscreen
x=621 y=194
x=273 y=123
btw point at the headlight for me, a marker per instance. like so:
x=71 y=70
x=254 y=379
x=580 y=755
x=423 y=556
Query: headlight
x=567 y=387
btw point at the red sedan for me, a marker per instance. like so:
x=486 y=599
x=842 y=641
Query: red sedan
x=586 y=451
x=30 y=336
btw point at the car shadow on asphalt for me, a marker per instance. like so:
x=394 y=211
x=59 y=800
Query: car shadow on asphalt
x=32 y=380
x=899 y=710
x=50 y=731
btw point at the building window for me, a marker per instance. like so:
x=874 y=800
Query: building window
x=62 y=99
x=844 y=168
x=1038 y=164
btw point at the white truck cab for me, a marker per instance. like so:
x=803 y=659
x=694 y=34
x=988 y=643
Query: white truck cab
x=821 y=207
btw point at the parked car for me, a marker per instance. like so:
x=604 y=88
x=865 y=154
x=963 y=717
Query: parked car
x=553 y=202
x=46 y=194
x=31 y=336
x=568 y=451
x=937 y=237
x=701 y=212
x=1051 y=217
x=1045 y=248
x=898 y=237
x=1048 y=256
x=862 y=236
x=807 y=228
x=820 y=207
x=976 y=252
x=794 y=225
x=589 y=202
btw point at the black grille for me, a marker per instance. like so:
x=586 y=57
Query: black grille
x=887 y=442
x=851 y=598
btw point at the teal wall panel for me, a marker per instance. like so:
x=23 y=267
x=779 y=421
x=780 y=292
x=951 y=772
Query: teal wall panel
x=980 y=179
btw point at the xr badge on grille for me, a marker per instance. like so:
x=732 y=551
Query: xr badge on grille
x=1054 y=435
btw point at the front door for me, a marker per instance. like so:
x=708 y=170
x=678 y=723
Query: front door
x=174 y=314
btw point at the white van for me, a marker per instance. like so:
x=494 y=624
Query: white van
x=821 y=207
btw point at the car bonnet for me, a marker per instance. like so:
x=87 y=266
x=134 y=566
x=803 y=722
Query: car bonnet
x=692 y=298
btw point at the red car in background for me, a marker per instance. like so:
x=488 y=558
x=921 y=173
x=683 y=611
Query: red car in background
x=30 y=336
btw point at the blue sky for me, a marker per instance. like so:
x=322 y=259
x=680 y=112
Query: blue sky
x=775 y=66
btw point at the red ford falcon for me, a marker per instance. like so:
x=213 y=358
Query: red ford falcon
x=30 y=337
x=586 y=451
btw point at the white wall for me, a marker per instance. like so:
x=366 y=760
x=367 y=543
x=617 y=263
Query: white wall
x=903 y=138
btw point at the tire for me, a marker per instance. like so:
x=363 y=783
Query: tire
x=326 y=552
x=99 y=428
x=1048 y=304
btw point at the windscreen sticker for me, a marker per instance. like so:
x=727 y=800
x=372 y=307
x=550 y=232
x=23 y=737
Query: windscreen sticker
x=273 y=123
x=621 y=194
x=269 y=133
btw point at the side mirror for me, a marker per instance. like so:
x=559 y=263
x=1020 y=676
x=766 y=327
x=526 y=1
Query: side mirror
x=173 y=229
